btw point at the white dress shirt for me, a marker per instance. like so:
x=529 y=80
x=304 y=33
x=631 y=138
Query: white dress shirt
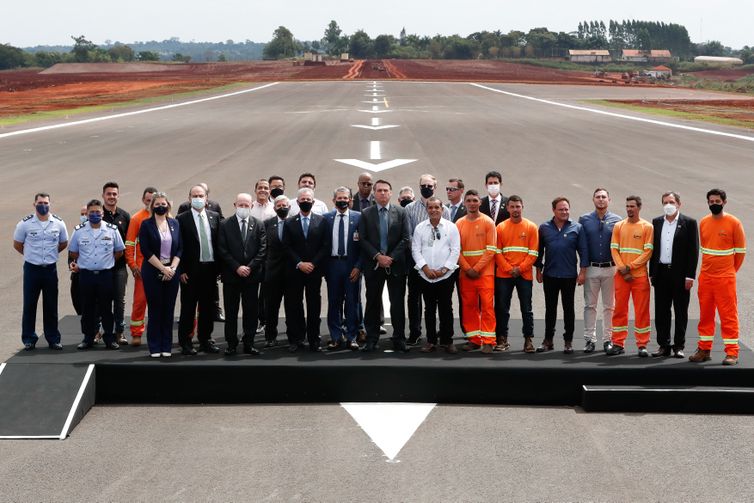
x=199 y=218
x=318 y=208
x=335 y=227
x=262 y=212
x=428 y=249
x=666 y=239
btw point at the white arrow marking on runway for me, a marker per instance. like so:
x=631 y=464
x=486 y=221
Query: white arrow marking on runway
x=375 y=128
x=374 y=151
x=375 y=111
x=375 y=167
x=389 y=425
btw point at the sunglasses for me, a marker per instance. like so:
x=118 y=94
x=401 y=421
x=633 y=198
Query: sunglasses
x=452 y=189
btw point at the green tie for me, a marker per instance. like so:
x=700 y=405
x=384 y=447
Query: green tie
x=203 y=240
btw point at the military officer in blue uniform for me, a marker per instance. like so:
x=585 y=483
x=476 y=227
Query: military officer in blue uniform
x=40 y=237
x=95 y=246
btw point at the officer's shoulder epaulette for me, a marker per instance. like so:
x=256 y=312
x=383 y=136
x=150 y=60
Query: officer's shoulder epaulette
x=79 y=226
x=56 y=217
x=27 y=217
x=110 y=226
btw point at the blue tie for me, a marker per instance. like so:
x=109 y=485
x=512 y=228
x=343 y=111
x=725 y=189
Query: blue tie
x=383 y=230
x=453 y=213
x=341 y=242
x=280 y=230
x=305 y=226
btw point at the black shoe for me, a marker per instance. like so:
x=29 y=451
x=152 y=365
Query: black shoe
x=383 y=330
x=209 y=347
x=219 y=316
x=369 y=347
x=678 y=353
x=413 y=340
x=293 y=348
x=662 y=351
x=353 y=346
x=248 y=349
x=615 y=350
x=188 y=350
x=112 y=345
x=606 y=346
x=30 y=346
x=315 y=349
x=399 y=346
x=589 y=348
x=230 y=350
x=270 y=344
x=643 y=353
x=56 y=346
x=85 y=345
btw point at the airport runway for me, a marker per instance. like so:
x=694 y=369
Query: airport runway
x=316 y=453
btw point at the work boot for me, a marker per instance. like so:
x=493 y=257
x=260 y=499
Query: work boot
x=487 y=348
x=545 y=346
x=701 y=355
x=450 y=348
x=730 y=360
x=469 y=346
x=528 y=345
x=502 y=344
x=136 y=340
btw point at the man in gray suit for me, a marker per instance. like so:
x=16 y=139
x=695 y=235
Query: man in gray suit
x=384 y=235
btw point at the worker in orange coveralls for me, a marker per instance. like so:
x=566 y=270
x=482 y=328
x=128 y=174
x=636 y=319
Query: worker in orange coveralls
x=134 y=260
x=477 y=276
x=631 y=248
x=723 y=245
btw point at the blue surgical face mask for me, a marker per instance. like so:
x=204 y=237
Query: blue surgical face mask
x=43 y=209
x=197 y=203
x=83 y=218
x=95 y=218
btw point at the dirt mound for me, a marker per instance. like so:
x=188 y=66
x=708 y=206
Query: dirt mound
x=485 y=70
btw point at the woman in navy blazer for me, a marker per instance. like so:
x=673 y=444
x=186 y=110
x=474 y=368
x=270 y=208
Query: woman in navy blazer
x=160 y=242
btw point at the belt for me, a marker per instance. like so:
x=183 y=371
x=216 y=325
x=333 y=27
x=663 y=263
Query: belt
x=95 y=272
x=602 y=264
x=665 y=266
x=43 y=266
x=338 y=257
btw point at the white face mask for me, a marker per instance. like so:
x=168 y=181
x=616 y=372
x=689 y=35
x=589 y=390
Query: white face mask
x=243 y=213
x=669 y=209
x=83 y=218
x=493 y=189
x=197 y=203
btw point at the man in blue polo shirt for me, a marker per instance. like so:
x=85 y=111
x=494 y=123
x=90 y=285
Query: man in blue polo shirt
x=560 y=240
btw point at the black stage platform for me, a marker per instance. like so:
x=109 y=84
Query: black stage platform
x=130 y=376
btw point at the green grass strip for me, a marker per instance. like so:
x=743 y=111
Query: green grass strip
x=676 y=114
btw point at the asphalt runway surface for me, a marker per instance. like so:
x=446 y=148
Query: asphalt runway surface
x=318 y=452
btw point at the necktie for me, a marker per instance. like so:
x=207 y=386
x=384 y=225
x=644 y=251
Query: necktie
x=305 y=226
x=203 y=241
x=341 y=241
x=364 y=204
x=453 y=210
x=383 y=230
x=280 y=230
x=243 y=230
x=493 y=208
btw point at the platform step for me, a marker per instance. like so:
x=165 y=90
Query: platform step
x=44 y=400
x=676 y=399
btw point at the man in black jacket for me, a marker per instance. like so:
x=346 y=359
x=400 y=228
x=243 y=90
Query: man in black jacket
x=241 y=247
x=672 y=270
x=494 y=203
x=274 y=270
x=199 y=229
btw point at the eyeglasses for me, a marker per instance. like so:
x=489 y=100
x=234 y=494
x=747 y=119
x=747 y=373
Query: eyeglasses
x=452 y=189
x=366 y=184
x=435 y=234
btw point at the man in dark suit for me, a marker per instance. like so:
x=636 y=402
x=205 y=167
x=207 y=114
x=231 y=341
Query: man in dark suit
x=199 y=229
x=275 y=270
x=384 y=240
x=241 y=247
x=494 y=204
x=364 y=197
x=343 y=272
x=307 y=244
x=454 y=190
x=672 y=270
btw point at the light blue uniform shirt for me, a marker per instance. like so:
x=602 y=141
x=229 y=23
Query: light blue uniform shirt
x=96 y=246
x=41 y=239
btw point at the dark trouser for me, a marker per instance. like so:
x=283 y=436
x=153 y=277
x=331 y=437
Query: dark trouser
x=671 y=290
x=503 y=294
x=273 y=296
x=244 y=293
x=75 y=293
x=396 y=289
x=566 y=288
x=298 y=284
x=40 y=279
x=438 y=297
x=200 y=290
x=414 y=300
x=341 y=291
x=261 y=311
x=120 y=279
x=96 y=289
x=161 y=296
x=457 y=283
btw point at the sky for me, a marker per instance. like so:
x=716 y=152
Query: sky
x=52 y=22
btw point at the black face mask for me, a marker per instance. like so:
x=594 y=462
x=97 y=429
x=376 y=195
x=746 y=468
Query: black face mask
x=277 y=191
x=716 y=209
x=282 y=212
x=405 y=202
x=342 y=205
x=160 y=210
x=427 y=192
x=306 y=206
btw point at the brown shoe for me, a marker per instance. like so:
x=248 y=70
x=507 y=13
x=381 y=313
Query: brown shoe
x=487 y=348
x=730 y=360
x=469 y=346
x=502 y=344
x=428 y=348
x=701 y=355
x=451 y=348
x=545 y=346
x=98 y=337
x=528 y=346
x=362 y=337
x=136 y=340
x=121 y=339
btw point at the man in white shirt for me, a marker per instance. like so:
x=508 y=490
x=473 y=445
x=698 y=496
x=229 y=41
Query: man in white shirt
x=435 y=247
x=262 y=208
x=307 y=180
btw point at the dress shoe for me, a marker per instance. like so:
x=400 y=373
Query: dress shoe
x=399 y=346
x=248 y=349
x=85 y=345
x=155 y=355
x=428 y=348
x=121 y=339
x=29 y=346
x=209 y=347
x=615 y=350
x=362 y=336
x=662 y=351
x=333 y=345
x=451 y=349
x=112 y=345
x=643 y=353
x=260 y=329
x=219 y=316
x=315 y=349
x=730 y=360
x=487 y=349
x=353 y=346
x=678 y=353
x=413 y=340
x=56 y=346
x=97 y=337
x=606 y=346
x=383 y=330
x=502 y=344
x=271 y=343
x=136 y=340
x=568 y=348
x=470 y=346
x=369 y=347
x=546 y=345
x=528 y=345
x=589 y=347
x=166 y=354
x=293 y=348
x=188 y=350
x=231 y=350
x=701 y=355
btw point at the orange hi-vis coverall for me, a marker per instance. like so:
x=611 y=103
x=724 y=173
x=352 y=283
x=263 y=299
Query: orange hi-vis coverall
x=478 y=252
x=723 y=246
x=517 y=246
x=134 y=260
x=631 y=246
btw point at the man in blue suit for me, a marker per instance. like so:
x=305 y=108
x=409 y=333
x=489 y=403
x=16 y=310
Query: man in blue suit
x=343 y=272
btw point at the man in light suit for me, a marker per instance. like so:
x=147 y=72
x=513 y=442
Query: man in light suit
x=343 y=271
x=384 y=240
x=241 y=248
x=274 y=270
x=307 y=244
x=672 y=270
